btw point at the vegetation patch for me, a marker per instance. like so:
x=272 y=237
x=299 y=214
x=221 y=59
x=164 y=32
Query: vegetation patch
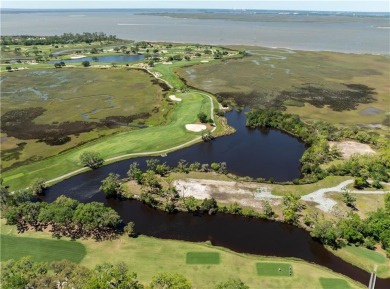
x=333 y=283
x=367 y=254
x=41 y=249
x=274 y=269
x=337 y=100
x=202 y=258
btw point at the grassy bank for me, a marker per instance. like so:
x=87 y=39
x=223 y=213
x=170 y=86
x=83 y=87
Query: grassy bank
x=149 y=256
x=365 y=259
x=143 y=140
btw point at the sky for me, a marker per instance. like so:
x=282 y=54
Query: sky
x=316 y=5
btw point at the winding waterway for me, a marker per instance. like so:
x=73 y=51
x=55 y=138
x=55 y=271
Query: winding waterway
x=267 y=153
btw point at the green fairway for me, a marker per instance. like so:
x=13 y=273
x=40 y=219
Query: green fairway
x=143 y=140
x=41 y=249
x=368 y=254
x=274 y=269
x=202 y=258
x=331 y=283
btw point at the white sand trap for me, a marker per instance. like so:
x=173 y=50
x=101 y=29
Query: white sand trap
x=204 y=61
x=77 y=57
x=174 y=98
x=167 y=63
x=195 y=127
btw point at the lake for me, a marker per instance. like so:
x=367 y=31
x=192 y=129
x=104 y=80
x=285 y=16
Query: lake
x=303 y=31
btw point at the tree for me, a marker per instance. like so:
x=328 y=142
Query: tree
x=232 y=284
x=94 y=219
x=267 y=209
x=111 y=186
x=134 y=173
x=57 y=65
x=8 y=68
x=38 y=186
x=209 y=205
x=129 y=229
x=95 y=58
x=327 y=233
x=202 y=117
x=91 y=159
x=152 y=163
x=149 y=179
x=291 y=208
x=112 y=276
x=171 y=281
x=85 y=63
x=349 y=200
x=191 y=204
x=360 y=183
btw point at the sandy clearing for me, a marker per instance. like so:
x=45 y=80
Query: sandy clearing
x=204 y=61
x=246 y=194
x=349 y=148
x=195 y=127
x=325 y=203
x=174 y=98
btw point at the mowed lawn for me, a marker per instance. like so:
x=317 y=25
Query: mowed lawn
x=149 y=256
x=274 y=269
x=143 y=140
x=366 y=259
x=330 y=283
x=41 y=249
x=202 y=258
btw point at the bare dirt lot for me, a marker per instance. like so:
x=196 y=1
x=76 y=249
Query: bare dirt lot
x=246 y=194
x=349 y=148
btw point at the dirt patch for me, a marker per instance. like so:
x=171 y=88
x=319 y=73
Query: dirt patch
x=349 y=148
x=246 y=194
x=195 y=127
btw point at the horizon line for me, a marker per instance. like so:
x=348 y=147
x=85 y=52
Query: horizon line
x=182 y=8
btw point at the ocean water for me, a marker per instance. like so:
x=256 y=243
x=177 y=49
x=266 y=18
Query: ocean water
x=303 y=31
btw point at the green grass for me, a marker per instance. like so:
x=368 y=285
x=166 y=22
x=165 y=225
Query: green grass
x=331 y=283
x=41 y=249
x=365 y=259
x=149 y=256
x=273 y=269
x=202 y=258
x=149 y=139
x=368 y=254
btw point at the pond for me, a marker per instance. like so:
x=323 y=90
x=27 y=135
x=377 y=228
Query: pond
x=105 y=59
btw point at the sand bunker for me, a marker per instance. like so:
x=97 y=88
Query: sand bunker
x=204 y=61
x=348 y=148
x=77 y=57
x=195 y=127
x=174 y=98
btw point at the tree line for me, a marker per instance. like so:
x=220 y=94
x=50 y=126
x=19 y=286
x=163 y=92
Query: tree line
x=26 y=273
x=352 y=229
x=66 y=38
